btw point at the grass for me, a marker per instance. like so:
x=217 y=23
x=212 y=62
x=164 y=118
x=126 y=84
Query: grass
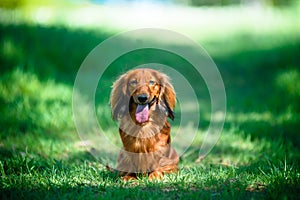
x=43 y=157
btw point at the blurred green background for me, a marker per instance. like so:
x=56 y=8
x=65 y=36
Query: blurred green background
x=255 y=44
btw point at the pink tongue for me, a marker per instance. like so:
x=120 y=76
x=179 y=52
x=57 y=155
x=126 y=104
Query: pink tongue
x=142 y=113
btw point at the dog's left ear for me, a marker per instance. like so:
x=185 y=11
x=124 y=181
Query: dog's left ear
x=168 y=95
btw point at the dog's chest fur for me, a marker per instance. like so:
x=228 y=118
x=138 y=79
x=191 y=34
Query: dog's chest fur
x=146 y=138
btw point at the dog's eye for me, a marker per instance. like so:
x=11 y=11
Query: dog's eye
x=151 y=82
x=133 y=82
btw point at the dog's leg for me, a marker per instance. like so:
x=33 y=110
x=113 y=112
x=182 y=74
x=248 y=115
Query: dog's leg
x=156 y=175
x=128 y=177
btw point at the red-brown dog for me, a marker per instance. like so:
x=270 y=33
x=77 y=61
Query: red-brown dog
x=143 y=99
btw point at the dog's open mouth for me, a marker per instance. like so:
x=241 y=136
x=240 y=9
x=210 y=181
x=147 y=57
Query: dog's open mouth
x=142 y=113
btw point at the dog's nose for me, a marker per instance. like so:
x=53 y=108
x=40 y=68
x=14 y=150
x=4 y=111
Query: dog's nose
x=142 y=98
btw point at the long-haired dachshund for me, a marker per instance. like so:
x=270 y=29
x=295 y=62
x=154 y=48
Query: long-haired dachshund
x=142 y=100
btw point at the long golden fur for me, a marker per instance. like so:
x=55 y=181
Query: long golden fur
x=142 y=100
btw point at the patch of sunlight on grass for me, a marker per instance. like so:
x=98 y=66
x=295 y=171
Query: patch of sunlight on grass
x=253 y=116
x=42 y=144
x=289 y=81
x=243 y=144
x=226 y=151
x=288 y=116
x=27 y=84
x=44 y=15
x=31 y=102
x=10 y=50
x=268 y=117
x=237 y=148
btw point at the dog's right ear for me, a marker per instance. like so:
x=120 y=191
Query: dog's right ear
x=119 y=99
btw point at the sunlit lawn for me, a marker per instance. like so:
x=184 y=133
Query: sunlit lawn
x=257 y=155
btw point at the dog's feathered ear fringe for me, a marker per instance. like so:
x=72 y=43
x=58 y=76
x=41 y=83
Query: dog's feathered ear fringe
x=168 y=95
x=119 y=99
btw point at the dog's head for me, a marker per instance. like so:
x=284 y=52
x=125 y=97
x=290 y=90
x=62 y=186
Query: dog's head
x=143 y=88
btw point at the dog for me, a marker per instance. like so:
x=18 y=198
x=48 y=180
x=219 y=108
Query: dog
x=141 y=100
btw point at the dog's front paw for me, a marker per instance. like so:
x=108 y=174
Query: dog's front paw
x=156 y=175
x=128 y=178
